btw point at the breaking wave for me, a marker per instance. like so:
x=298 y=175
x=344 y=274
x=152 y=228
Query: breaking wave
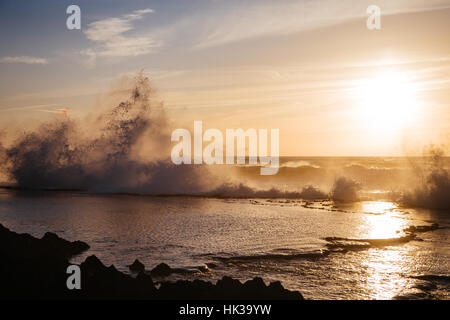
x=126 y=149
x=230 y=190
x=434 y=186
x=345 y=189
x=106 y=155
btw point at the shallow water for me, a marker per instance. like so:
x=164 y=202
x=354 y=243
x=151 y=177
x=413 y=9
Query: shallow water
x=278 y=239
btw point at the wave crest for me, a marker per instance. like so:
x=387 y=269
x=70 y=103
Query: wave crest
x=106 y=155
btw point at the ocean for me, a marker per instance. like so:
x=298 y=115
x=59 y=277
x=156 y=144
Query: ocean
x=378 y=238
x=330 y=227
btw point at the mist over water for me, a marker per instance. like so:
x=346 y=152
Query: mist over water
x=434 y=189
x=122 y=150
x=329 y=227
x=345 y=190
x=125 y=148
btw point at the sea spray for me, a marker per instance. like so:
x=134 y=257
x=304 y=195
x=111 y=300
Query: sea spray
x=433 y=189
x=60 y=155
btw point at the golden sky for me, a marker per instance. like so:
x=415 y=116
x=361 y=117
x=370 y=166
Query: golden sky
x=310 y=68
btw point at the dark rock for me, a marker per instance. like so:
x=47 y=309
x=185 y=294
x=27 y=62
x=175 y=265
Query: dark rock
x=203 y=268
x=229 y=286
x=433 y=277
x=145 y=279
x=68 y=248
x=187 y=290
x=137 y=266
x=420 y=229
x=275 y=286
x=161 y=270
x=46 y=279
x=228 y=283
x=427 y=286
x=93 y=265
x=226 y=288
x=255 y=285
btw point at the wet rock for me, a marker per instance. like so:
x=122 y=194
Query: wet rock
x=419 y=295
x=276 y=286
x=93 y=265
x=187 y=290
x=426 y=286
x=226 y=288
x=203 y=269
x=420 y=229
x=432 y=277
x=34 y=268
x=101 y=282
x=161 y=270
x=47 y=277
x=137 y=266
x=68 y=248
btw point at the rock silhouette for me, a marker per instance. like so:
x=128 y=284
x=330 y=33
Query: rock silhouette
x=32 y=268
x=137 y=266
x=162 y=270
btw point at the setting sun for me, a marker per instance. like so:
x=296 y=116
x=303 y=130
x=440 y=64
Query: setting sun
x=196 y=154
x=387 y=101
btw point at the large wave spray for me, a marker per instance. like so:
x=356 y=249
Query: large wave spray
x=104 y=155
x=433 y=190
x=126 y=148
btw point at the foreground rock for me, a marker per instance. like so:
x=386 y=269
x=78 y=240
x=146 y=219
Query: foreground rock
x=32 y=268
x=161 y=270
x=226 y=288
x=137 y=266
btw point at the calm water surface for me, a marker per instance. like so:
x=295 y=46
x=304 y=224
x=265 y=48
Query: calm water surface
x=285 y=240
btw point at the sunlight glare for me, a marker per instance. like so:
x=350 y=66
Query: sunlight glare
x=387 y=101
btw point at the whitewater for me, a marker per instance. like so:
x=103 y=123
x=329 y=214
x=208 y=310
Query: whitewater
x=330 y=227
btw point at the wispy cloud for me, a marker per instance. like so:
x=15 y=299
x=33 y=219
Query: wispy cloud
x=63 y=110
x=214 y=25
x=111 y=40
x=294 y=16
x=23 y=59
x=4 y=109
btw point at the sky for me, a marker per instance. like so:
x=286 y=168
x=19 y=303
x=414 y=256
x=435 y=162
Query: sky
x=310 y=68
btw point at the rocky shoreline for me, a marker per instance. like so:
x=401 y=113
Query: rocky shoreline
x=32 y=268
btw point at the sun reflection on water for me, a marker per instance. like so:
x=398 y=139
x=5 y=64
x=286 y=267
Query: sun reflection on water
x=384 y=268
x=382 y=222
x=384 y=265
x=378 y=206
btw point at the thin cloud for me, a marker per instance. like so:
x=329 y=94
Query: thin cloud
x=23 y=59
x=138 y=14
x=109 y=35
x=214 y=26
x=294 y=16
x=47 y=108
x=4 y=109
x=63 y=111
